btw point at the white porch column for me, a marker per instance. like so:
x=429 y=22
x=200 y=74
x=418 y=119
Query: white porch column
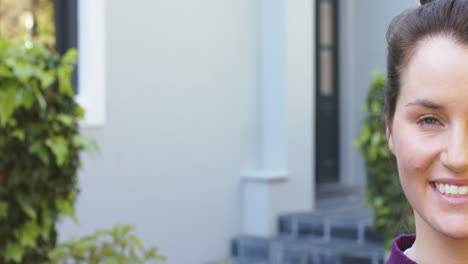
x=282 y=182
x=257 y=207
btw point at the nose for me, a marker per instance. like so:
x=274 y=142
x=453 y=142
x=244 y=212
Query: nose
x=455 y=156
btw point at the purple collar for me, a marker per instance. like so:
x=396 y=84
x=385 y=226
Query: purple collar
x=400 y=244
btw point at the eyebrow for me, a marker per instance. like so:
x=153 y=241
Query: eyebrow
x=425 y=103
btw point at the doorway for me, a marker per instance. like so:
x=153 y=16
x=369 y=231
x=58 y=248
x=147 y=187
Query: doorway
x=327 y=129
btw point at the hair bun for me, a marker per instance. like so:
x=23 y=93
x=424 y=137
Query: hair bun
x=423 y=2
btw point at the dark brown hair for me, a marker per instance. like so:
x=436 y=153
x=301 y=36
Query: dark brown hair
x=433 y=18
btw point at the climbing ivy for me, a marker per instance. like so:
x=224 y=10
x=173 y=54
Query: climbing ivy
x=383 y=191
x=40 y=148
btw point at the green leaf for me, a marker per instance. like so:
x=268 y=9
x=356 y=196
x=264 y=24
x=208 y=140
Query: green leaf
x=3 y=210
x=5 y=72
x=365 y=134
x=89 y=145
x=65 y=119
x=65 y=84
x=161 y=257
x=40 y=98
x=378 y=202
x=66 y=208
x=58 y=253
x=13 y=252
x=384 y=211
x=374 y=147
x=30 y=232
x=7 y=102
x=48 y=78
x=27 y=98
x=18 y=134
x=70 y=57
x=376 y=108
x=80 y=112
x=59 y=147
x=40 y=151
x=138 y=242
x=12 y=122
x=25 y=71
x=26 y=207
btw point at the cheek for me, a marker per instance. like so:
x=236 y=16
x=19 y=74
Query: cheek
x=415 y=158
x=415 y=154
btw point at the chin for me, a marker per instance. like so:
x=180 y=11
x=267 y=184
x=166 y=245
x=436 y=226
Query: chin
x=455 y=228
x=457 y=235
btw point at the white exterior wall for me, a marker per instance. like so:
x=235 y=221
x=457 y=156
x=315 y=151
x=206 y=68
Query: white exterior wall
x=183 y=122
x=299 y=193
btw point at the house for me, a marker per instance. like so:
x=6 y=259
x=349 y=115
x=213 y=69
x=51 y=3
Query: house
x=207 y=114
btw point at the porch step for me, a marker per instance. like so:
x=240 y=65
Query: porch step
x=311 y=250
x=338 y=231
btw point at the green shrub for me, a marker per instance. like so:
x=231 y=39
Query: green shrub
x=384 y=193
x=40 y=145
x=116 y=246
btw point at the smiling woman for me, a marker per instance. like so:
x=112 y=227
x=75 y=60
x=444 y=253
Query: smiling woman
x=427 y=128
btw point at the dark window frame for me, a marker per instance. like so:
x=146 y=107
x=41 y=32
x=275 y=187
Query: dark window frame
x=66 y=25
x=66 y=30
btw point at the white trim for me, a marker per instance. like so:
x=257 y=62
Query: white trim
x=91 y=61
x=265 y=175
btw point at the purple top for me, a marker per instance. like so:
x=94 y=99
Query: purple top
x=400 y=244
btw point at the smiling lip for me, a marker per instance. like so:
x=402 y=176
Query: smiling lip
x=451 y=200
x=458 y=182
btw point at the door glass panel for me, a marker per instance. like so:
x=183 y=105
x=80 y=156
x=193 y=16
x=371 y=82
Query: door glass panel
x=326 y=23
x=326 y=73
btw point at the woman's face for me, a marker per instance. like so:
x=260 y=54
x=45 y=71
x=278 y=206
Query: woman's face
x=429 y=135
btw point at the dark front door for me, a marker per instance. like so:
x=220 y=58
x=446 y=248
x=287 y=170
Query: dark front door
x=326 y=126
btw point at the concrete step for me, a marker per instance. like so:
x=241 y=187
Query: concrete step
x=338 y=231
x=356 y=226
x=312 y=250
x=239 y=261
x=301 y=224
x=250 y=247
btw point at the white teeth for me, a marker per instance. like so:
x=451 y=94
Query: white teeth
x=463 y=190
x=452 y=189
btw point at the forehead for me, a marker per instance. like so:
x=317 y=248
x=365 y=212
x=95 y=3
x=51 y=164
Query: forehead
x=437 y=71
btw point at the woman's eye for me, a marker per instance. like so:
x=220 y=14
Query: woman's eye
x=429 y=121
